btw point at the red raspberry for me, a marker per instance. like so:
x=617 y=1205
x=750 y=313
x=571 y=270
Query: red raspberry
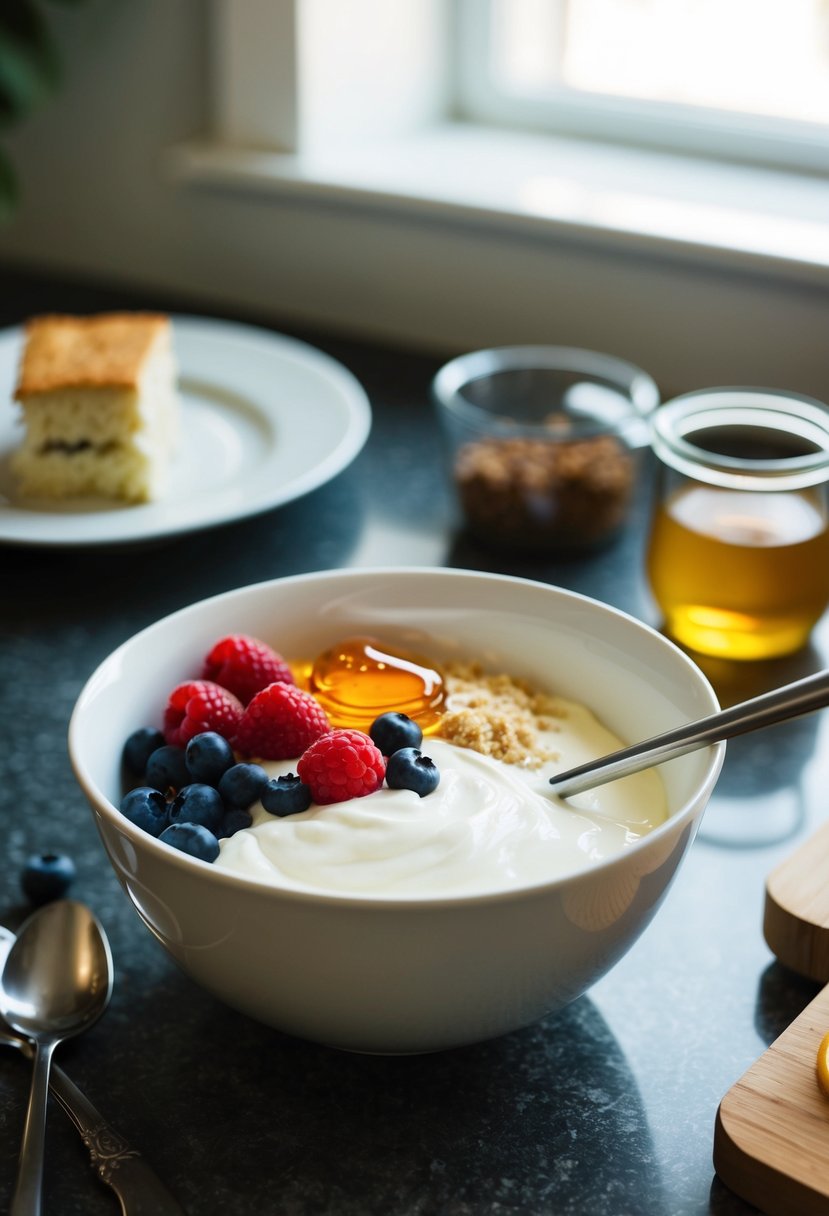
x=342 y=764
x=197 y=706
x=245 y=666
x=280 y=722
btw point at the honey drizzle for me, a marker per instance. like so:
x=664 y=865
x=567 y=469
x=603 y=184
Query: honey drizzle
x=361 y=678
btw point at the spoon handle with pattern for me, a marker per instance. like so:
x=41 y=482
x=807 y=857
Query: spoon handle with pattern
x=140 y=1191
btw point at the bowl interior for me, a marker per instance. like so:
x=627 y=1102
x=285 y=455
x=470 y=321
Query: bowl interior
x=636 y=681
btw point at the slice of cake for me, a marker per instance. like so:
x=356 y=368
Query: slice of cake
x=100 y=406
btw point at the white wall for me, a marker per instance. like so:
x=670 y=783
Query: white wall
x=97 y=202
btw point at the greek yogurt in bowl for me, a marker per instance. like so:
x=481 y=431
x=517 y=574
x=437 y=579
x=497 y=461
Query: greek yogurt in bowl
x=489 y=826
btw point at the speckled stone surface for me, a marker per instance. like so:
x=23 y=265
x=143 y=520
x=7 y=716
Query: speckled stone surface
x=602 y=1110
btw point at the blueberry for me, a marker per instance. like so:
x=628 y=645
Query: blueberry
x=139 y=747
x=166 y=768
x=392 y=731
x=192 y=838
x=234 y=821
x=409 y=769
x=47 y=876
x=199 y=804
x=242 y=785
x=286 y=795
x=147 y=808
x=208 y=756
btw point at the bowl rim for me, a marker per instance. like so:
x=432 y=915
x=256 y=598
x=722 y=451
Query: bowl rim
x=100 y=804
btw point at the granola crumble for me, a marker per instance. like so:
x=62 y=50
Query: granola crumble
x=498 y=715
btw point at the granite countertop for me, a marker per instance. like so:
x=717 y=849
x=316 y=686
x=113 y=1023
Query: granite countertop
x=605 y=1108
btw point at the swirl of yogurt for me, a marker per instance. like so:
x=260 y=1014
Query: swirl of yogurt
x=488 y=826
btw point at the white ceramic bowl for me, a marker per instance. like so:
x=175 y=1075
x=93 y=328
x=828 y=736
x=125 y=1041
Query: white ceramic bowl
x=409 y=974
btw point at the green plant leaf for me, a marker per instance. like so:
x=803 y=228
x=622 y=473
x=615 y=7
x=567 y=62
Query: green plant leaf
x=29 y=65
x=9 y=190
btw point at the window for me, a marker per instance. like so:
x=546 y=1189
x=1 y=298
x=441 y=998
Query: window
x=744 y=78
x=461 y=110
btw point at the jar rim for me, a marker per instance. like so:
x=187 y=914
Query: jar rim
x=674 y=424
x=640 y=388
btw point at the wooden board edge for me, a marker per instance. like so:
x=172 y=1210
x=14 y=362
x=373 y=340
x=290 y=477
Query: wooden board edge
x=796 y=909
x=767 y=1188
x=797 y=944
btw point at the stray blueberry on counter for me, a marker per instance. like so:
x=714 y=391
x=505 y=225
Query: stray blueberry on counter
x=147 y=808
x=167 y=768
x=286 y=795
x=47 y=876
x=242 y=785
x=199 y=804
x=139 y=747
x=392 y=731
x=207 y=756
x=192 y=838
x=234 y=821
x=409 y=769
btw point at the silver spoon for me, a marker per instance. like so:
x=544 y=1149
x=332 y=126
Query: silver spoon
x=801 y=697
x=57 y=981
x=120 y=1166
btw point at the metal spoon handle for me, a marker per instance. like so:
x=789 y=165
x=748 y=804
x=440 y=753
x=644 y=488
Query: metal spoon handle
x=26 y=1199
x=122 y=1167
x=801 y=697
x=140 y=1191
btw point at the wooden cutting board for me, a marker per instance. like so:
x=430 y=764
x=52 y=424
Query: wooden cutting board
x=771 y=1138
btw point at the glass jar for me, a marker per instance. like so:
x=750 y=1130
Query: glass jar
x=545 y=444
x=738 y=553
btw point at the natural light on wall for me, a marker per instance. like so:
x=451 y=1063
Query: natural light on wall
x=766 y=57
x=671 y=126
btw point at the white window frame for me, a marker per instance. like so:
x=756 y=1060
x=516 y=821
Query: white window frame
x=287 y=125
x=279 y=86
x=737 y=137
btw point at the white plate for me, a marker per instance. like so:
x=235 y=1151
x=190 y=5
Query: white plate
x=265 y=419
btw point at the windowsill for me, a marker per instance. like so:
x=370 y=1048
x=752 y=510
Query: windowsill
x=731 y=216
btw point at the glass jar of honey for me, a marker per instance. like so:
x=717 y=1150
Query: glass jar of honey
x=738 y=553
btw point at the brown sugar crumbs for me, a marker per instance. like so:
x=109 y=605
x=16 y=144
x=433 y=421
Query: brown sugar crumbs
x=541 y=493
x=498 y=715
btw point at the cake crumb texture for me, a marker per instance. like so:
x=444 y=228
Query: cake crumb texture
x=498 y=715
x=99 y=405
x=107 y=350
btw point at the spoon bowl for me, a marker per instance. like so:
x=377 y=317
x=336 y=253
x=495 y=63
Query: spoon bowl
x=56 y=981
x=6 y=942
